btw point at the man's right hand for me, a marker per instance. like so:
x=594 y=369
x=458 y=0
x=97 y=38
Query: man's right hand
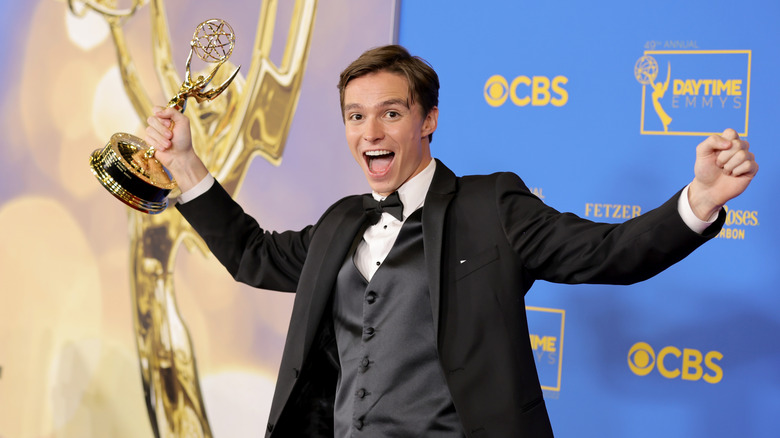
x=173 y=147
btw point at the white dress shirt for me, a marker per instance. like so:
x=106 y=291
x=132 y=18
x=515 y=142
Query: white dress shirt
x=379 y=238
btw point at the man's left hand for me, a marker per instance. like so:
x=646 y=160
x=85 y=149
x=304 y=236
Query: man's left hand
x=724 y=168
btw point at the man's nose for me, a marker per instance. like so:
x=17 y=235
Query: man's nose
x=372 y=130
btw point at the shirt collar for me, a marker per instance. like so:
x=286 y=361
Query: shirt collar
x=412 y=192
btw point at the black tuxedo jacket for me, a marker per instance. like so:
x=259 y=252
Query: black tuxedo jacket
x=487 y=239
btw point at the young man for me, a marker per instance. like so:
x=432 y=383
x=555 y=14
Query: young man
x=409 y=316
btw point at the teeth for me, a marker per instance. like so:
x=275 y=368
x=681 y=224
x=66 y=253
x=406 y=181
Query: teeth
x=377 y=153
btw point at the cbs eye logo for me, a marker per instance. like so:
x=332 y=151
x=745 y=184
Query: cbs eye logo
x=688 y=364
x=496 y=90
x=641 y=359
x=524 y=90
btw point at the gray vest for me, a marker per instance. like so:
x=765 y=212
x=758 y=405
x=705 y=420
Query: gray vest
x=391 y=383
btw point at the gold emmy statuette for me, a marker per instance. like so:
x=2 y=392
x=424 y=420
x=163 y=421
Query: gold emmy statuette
x=126 y=166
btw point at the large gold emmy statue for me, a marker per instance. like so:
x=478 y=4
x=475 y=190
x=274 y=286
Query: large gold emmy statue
x=252 y=117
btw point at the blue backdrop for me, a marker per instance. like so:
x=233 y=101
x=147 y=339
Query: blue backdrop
x=599 y=108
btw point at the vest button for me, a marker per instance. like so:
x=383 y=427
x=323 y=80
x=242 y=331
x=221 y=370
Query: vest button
x=361 y=393
x=370 y=331
x=270 y=427
x=358 y=424
x=364 y=362
x=371 y=297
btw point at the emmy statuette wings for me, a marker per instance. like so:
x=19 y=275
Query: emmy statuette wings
x=126 y=166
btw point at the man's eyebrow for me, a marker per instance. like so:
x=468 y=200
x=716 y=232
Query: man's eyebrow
x=351 y=106
x=393 y=102
x=385 y=104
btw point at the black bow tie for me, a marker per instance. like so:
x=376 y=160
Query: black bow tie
x=392 y=204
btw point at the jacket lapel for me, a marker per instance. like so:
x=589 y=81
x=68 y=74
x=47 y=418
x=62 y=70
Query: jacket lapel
x=326 y=262
x=437 y=200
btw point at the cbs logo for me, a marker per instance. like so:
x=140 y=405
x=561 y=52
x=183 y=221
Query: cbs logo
x=688 y=364
x=524 y=90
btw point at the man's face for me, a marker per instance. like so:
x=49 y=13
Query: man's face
x=387 y=137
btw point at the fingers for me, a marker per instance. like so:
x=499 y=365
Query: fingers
x=742 y=163
x=160 y=127
x=732 y=154
x=165 y=112
x=724 y=146
x=730 y=157
x=713 y=144
x=158 y=134
x=728 y=153
x=730 y=134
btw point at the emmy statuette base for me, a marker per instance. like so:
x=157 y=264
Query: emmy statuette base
x=135 y=185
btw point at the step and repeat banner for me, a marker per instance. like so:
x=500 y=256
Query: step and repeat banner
x=598 y=108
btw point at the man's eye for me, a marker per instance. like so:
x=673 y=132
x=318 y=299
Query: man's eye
x=355 y=117
x=393 y=114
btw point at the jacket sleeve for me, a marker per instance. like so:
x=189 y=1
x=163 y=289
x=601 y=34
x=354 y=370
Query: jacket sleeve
x=252 y=255
x=564 y=248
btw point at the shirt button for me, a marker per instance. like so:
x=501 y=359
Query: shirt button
x=371 y=297
x=358 y=424
x=378 y=263
x=361 y=393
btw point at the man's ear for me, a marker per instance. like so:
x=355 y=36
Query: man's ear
x=431 y=122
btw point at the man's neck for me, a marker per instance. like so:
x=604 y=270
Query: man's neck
x=413 y=191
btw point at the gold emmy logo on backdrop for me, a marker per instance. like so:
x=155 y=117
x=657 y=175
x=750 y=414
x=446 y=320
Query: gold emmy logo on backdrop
x=646 y=72
x=252 y=117
x=126 y=167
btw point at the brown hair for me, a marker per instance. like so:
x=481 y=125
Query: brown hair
x=422 y=79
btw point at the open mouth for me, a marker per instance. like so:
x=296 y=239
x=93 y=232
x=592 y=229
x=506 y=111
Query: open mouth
x=379 y=161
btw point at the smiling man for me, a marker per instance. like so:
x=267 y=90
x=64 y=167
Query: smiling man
x=388 y=131
x=409 y=315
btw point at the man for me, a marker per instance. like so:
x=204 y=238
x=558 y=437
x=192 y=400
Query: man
x=415 y=325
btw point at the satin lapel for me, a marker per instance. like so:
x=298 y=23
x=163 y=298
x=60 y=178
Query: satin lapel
x=337 y=236
x=437 y=200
